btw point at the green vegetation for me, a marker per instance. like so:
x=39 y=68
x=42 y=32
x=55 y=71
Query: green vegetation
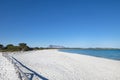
x=1 y=46
x=20 y=47
x=25 y=47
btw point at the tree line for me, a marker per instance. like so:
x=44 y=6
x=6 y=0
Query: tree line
x=20 y=47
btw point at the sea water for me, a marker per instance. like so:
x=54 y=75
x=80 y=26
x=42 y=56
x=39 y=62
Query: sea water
x=110 y=54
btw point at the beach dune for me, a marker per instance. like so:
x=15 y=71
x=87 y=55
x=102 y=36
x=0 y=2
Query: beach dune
x=56 y=65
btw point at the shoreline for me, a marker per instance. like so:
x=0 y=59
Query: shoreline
x=90 y=56
x=56 y=65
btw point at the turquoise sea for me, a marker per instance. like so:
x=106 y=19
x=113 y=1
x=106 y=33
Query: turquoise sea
x=110 y=54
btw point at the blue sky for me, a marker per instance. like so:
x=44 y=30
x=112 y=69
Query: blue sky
x=72 y=23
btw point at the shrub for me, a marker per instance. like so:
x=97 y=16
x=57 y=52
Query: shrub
x=23 y=47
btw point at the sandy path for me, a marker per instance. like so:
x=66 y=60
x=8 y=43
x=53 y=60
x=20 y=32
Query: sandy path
x=56 y=65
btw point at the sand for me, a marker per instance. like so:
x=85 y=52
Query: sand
x=56 y=65
x=7 y=70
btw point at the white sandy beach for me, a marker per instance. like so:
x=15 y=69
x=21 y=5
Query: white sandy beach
x=7 y=70
x=56 y=65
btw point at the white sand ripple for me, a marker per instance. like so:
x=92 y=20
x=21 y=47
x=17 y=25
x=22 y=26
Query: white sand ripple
x=7 y=70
